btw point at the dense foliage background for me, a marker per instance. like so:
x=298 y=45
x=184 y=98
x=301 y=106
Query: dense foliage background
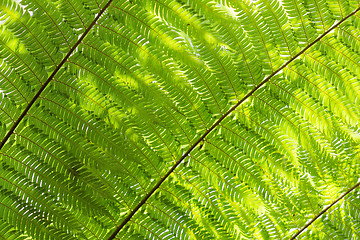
x=179 y=119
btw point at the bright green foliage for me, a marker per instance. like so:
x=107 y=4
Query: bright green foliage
x=146 y=82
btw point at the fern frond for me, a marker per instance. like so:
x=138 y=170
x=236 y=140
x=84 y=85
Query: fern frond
x=173 y=119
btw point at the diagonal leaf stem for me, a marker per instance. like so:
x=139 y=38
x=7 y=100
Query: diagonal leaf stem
x=51 y=77
x=324 y=210
x=149 y=194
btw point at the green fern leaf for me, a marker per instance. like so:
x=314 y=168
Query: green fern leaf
x=173 y=119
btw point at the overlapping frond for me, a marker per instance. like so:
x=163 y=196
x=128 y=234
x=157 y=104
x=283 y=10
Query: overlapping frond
x=203 y=119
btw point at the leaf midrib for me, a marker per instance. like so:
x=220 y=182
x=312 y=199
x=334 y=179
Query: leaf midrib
x=178 y=162
x=51 y=77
